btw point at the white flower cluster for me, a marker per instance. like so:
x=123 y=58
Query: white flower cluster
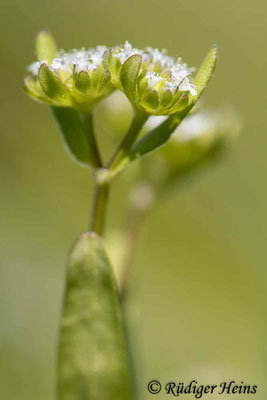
x=87 y=60
x=155 y=56
x=126 y=52
x=151 y=56
x=83 y=60
x=179 y=72
x=177 y=81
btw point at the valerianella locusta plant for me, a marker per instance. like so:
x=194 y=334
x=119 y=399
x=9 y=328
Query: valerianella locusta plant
x=92 y=354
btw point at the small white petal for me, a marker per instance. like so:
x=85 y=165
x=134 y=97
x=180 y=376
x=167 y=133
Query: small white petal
x=34 y=67
x=153 y=78
x=186 y=86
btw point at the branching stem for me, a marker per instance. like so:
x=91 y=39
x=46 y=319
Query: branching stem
x=125 y=146
x=105 y=175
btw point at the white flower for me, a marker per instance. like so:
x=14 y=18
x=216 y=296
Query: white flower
x=83 y=60
x=186 y=86
x=126 y=52
x=153 y=78
x=155 y=56
x=34 y=67
x=177 y=81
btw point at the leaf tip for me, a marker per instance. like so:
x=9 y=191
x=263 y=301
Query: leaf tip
x=45 y=46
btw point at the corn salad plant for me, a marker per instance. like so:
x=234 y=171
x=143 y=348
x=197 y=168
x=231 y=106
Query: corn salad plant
x=93 y=359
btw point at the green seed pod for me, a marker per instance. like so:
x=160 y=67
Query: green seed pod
x=92 y=356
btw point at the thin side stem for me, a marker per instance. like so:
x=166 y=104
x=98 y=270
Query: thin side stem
x=102 y=185
x=125 y=146
x=99 y=206
x=135 y=229
x=88 y=121
x=141 y=203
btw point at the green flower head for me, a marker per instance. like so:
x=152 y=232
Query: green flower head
x=73 y=82
x=74 y=79
x=156 y=84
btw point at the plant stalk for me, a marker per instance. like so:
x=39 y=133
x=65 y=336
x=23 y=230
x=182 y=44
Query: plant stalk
x=142 y=199
x=99 y=206
x=125 y=146
x=88 y=121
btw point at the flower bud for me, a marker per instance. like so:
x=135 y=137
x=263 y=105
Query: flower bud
x=202 y=137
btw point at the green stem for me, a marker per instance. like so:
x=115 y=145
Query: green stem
x=88 y=121
x=99 y=206
x=142 y=199
x=125 y=146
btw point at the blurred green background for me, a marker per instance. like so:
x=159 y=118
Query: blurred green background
x=200 y=279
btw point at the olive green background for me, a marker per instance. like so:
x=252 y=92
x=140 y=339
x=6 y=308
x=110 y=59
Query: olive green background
x=200 y=279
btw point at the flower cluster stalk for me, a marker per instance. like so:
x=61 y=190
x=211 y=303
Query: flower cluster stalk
x=125 y=146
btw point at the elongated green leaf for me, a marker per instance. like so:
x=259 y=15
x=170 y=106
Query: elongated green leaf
x=45 y=47
x=92 y=357
x=31 y=88
x=129 y=74
x=77 y=133
x=106 y=79
x=53 y=87
x=204 y=74
x=151 y=100
x=155 y=138
x=106 y=58
x=166 y=99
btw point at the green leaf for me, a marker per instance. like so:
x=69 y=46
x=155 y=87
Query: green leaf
x=45 y=47
x=204 y=74
x=181 y=103
x=151 y=100
x=128 y=76
x=78 y=136
x=107 y=58
x=31 y=88
x=106 y=79
x=155 y=138
x=92 y=360
x=96 y=77
x=53 y=87
x=166 y=99
x=83 y=82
